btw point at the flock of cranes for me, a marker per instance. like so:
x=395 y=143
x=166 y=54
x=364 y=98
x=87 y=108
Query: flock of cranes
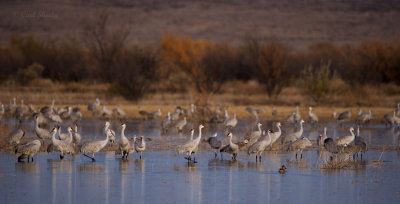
x=253 y=142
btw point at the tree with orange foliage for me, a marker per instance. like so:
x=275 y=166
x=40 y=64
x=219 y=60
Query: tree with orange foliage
x=269 y=61
x=206 y=64
x=272 y=64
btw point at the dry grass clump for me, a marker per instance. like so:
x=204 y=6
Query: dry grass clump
x=337 y=164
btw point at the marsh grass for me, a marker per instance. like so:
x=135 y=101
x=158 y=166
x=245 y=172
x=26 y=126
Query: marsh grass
x=235 y=99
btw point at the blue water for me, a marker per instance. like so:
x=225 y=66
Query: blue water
x=162 y=177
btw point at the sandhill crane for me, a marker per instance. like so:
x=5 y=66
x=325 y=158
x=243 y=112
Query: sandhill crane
x=231 y=122
x=124 y=146
x=40 y=119
x=142 y=113
x=388 y=118
x=189 y=146
x=166 y=123
x=322 y=138
x=140 y=146
x=231 y=148
x=392 y=120
x=300 y=145
x=32 y=108
x=291 y=137
x=15 y=136
x=96 y=146
x=290 y=118
x=253 y=136
x=177 y=113
x=68 y=138
x=275 y=135
x=63 y=136
x=293 y=117
x=180 y=124
x=346 y=140
x=191 y=138
x=28 y=150
x=118 y=112
x=154 y=115
x=76 y=136
x=363 y=118
x=359 y=144
x=66 y=115
x=297 y=116
x=331 y=146
x=40 y=132
x=255 y=112
x=242 y=144
x=106 y=113
x=396 y=120
x=109 y=132
x=216 y=116
x=226 y=115
x=46 y=110
x=215 y=143
x=93 y=106
x=312 y=116
x=259 y=147
x=191 y=111
x=11 y=105
x=76 y=114
x=20 y=111
x=342 y=117
x=55 y=118
x=62 y=146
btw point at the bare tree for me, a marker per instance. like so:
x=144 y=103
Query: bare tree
x=104 y=43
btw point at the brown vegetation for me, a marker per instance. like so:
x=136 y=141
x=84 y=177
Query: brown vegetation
x=328 y=72
x=208 y=67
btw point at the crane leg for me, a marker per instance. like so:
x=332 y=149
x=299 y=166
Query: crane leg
x=93 y=160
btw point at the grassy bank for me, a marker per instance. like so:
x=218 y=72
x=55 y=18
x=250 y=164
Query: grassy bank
x=235 y=99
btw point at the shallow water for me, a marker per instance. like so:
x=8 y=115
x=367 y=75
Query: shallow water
x=376 y=135
x=162 y=177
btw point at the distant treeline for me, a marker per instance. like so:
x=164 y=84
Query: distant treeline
x=131 y=70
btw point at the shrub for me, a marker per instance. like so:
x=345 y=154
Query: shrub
x=267 y=62
x=195 y=58
x=272 y=64
x=317 y=82
x=25 y=76
x=136 y=71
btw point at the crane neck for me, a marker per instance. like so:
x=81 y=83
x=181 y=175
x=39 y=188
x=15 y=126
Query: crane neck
x=199 y=137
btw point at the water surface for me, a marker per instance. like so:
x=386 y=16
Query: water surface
x=162 y=177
